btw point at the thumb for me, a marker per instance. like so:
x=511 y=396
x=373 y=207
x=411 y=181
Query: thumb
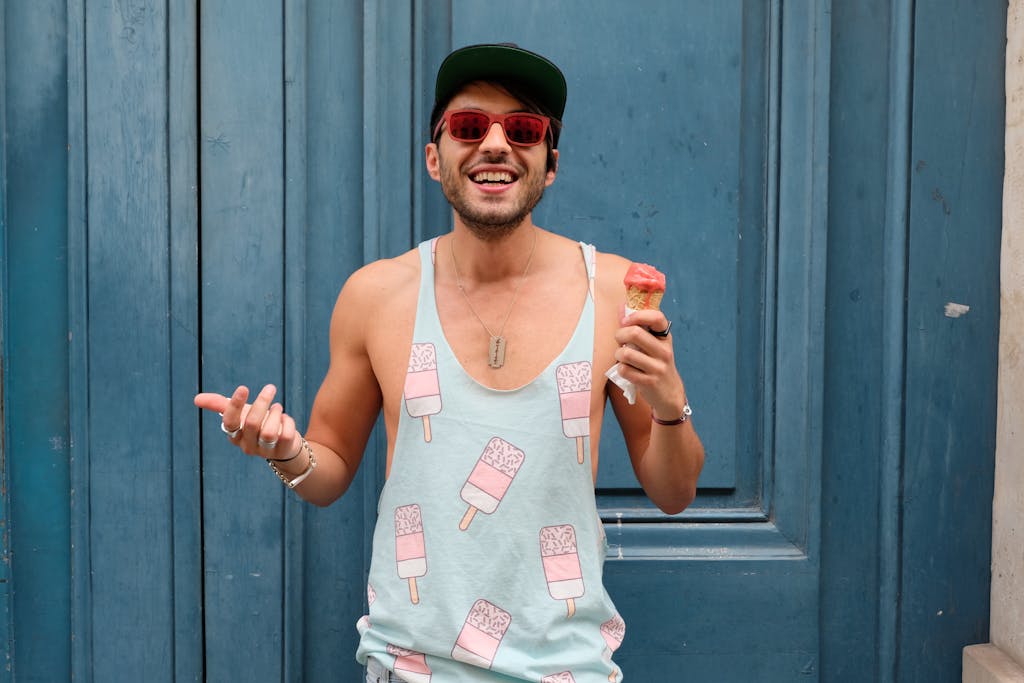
x=213 y=402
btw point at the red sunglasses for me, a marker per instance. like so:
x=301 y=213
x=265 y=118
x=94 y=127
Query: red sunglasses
x=471 y=125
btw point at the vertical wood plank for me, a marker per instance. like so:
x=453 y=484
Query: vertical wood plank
x=243 y=270
x=295 y=250
x=131 y=482
x=335 y=242
x=955 y=220
x=34 y=446
x=78 y=352
x=183 y=170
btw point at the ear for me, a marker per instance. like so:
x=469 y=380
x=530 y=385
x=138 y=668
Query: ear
x=550 y=176
x=431 y=156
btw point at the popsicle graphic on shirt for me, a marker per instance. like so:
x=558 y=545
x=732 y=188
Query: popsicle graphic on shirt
x=573 y=381
x=410 y=665
x=613 y=631
x=561 y=560
x=481 y=635
x=563 y=677
x=410 y=549
x=422 y=391
x=490 y=478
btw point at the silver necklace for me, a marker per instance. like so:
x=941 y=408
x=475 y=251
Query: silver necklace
x=498 y=343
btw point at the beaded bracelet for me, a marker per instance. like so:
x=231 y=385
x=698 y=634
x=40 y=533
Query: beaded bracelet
x=687 y=412
x=292 y=483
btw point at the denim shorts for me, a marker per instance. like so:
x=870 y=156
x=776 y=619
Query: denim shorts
x=378 y=673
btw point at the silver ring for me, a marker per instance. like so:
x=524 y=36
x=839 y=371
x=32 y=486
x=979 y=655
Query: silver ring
x=663 y=333
x=265 y=444
x=232 y=433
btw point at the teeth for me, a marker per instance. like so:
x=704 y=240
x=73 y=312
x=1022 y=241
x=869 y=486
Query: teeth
x=493 y=177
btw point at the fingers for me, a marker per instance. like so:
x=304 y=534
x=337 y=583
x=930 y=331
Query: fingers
x=262 y=428
x=646 y=358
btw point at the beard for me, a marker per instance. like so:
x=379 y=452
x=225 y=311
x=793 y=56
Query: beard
x=486 y=220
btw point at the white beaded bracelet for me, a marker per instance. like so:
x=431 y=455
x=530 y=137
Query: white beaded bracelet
x=298 y=479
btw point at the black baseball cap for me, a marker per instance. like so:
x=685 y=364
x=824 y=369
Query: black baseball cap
x=502 y=60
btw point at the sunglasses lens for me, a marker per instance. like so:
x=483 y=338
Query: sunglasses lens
x=468 y=126
x=472 y=126
x=524 y=130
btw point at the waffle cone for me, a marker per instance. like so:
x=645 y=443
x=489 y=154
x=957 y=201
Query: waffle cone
x=639 y=299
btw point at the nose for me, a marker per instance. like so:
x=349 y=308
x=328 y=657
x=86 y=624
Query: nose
x=495 y=141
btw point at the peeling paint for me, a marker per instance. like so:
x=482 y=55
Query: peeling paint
x=954 y=310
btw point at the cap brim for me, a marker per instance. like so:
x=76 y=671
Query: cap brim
x=485 y=62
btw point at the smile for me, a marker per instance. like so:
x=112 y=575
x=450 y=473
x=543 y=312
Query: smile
x=492 y=178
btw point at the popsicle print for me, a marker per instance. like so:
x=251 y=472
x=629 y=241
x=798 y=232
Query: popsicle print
x=490 y=479
x=410 y=549
x=613 y=631
x=574 y=381
x=563 y=677
x=561 y=560
x=481 y=635
x=410 y=665
x=422 y=391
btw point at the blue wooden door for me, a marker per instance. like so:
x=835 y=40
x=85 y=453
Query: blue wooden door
x=187 y=185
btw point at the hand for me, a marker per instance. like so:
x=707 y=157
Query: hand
x=649 y=362
x=265 y=429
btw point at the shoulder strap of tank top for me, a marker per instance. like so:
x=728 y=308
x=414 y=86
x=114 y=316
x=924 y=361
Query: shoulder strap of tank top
x=590 y=259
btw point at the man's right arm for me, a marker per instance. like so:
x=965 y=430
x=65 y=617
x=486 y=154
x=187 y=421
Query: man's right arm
x=349 y=399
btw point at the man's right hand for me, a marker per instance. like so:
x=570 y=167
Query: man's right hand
x=261 y=429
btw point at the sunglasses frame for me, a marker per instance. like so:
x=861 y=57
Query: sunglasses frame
x=491 y=120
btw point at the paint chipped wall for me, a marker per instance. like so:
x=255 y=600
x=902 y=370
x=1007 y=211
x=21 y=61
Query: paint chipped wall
x=1007 y=624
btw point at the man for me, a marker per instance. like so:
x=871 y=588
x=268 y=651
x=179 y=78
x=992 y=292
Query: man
x=486 y=350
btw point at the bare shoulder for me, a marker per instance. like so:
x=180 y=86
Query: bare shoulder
x=377 y=283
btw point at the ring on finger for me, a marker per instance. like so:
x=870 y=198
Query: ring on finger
x=663 y=333
x=266 y=444
x=232 y=433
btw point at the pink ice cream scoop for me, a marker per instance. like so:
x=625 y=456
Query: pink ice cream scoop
x=422 y=389
x=490 y=479
x=481 y=634
x=573 y=381
x=410 y=549
x=410 y=665
x=561 y=560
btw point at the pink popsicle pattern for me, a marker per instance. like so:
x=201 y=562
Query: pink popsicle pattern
x=562 y=564
x=574 y=380
x=422 y=389
x=481 y=635
x=613 y=631
x=490 y=478
x=410 y=665
x=563 y=677
x=410 y=549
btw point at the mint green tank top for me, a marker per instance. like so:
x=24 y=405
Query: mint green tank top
x=488 y=551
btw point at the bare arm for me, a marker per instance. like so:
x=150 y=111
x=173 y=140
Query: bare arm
x=667 y=459
x=343 y=414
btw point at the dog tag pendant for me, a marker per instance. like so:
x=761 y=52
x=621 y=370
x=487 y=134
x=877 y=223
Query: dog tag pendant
x=496 y=355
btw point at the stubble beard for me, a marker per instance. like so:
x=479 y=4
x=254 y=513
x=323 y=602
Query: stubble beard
x=490 y=223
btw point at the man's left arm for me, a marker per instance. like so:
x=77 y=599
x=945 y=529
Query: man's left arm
x=667 y=458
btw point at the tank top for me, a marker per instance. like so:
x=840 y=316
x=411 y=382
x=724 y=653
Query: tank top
x=488 y=552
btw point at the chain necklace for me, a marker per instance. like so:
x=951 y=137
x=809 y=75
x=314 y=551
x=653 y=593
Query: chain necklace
x=498 y=343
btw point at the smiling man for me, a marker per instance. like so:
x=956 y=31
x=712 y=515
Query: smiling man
x=486 y=351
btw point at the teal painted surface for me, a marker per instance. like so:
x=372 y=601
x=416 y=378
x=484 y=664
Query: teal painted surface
x=954 y=239
x=35 y=344
x=217 y=173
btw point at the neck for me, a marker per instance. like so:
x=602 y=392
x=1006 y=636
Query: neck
x=491 y=260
